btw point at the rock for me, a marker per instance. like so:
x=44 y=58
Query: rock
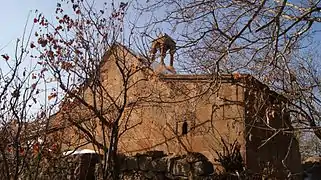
x=202 y=168
x=133 y=176
x=193 y=157
x=144 y=163
x=154 y=165
x=181 y=168
x=169 y=162
x=160 y=176
x=149 y=174
x=205 y=178
x=155 y=154
x=159 y=165
x=122 y=162
x=131 y=163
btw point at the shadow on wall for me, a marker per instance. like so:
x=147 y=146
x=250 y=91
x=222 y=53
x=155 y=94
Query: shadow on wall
x=156 y=164
x=148 y=165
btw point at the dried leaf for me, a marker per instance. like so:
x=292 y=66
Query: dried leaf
x=5 y=56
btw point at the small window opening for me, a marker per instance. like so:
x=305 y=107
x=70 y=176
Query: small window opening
x=184 y=128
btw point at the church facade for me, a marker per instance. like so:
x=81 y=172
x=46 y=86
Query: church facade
x=179 y=113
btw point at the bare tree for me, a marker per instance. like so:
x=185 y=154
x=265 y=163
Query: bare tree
x=23 y=113
x=264 y=38
x=75 y=50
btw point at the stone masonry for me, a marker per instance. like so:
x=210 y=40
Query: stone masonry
x=157 y=165
x=182 y=113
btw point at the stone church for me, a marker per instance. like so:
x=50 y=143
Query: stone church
x=179 y=113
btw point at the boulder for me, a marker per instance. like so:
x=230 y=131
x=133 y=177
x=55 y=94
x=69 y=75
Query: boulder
x=181 y=168
x=149 y=174
x=155 y=154
x=203 y=168
x=159 y=176
x=144 y=162
x=131 y=163
x=159 y=165
x=193 y=157
x=133 y=176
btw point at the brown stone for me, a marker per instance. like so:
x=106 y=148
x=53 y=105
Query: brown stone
x=133 y=176
x=159 y=165
x=202 y=168
x=131 y=163
x=216 y=108
x=144 y=162
x=155 y=154
x=181 y=168
x=193 y=157
x=149 y=174
x=159 y=176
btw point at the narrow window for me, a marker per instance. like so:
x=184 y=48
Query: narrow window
x=184 y=128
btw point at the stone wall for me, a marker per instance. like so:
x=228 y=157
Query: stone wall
x=213 y=115
x=157 y=165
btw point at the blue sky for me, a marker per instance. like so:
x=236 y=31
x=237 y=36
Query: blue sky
x=13 y=17
x=14 y=14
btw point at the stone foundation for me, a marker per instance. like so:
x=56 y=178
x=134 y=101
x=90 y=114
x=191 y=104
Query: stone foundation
x=157 y=165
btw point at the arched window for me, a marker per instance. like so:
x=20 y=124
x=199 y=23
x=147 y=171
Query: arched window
x=184 y=128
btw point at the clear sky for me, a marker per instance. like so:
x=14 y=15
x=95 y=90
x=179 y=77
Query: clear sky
x=13 y=17
x=14 y=14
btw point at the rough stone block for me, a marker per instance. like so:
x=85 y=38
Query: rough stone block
x=131 y=163
x=203 y=168
x=193 y=157
x=144 y=163
x=133 y=176
x=149 y=174
x=121 y=159
x=159 y=165
x=159 y=176
x=169 y=162
x=181 y=168
x=155 y=154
